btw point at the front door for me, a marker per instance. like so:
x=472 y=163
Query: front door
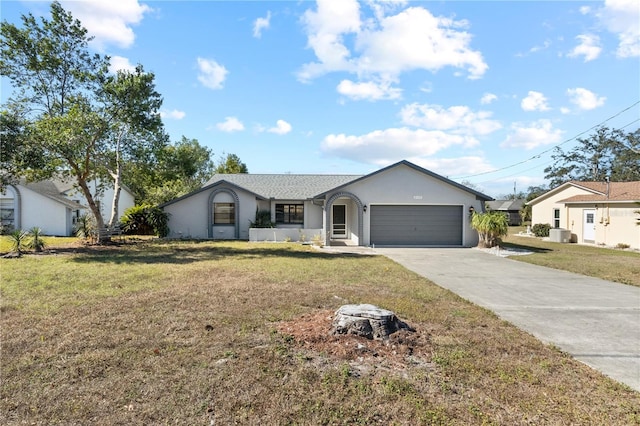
x=339 y=221
x=589 y=226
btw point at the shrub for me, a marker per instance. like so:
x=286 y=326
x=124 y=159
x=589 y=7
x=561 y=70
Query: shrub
x=85 y=227
x=6 y=229
x=541 y=229
x=36 y=243
x=145 y=220
x=18 y=240
x=491 y=226
x=263 y=220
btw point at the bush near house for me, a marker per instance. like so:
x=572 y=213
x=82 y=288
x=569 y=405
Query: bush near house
x=145 y=220
x=263 y=219
x=541 y=229
x=491 y=227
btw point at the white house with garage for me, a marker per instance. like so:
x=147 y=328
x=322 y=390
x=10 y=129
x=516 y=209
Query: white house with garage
x=402 y=204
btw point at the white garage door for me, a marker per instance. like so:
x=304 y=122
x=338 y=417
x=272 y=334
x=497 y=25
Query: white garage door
x=416 y=225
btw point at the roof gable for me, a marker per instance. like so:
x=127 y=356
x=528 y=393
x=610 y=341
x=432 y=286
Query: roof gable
x=419 y=169
x=596 y=191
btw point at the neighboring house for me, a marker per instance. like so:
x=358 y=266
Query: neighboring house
x=594 y=212
x=102 y=195
x=510 y=207
x=402 y=204
x=52 y=205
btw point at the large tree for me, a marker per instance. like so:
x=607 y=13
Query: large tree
x=608 y=153
x=67 y=107
x=230 y=163
x=170 y=171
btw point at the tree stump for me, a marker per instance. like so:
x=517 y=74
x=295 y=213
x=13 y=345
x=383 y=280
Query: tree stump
x=368 y=321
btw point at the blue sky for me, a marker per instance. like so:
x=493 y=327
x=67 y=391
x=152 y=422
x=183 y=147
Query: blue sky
x=476 y=91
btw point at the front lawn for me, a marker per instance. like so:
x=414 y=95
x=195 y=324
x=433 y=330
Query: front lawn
x=617 y=265
x=6 y=244
x=237 y=333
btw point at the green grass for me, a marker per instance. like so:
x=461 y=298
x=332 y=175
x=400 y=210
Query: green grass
x=186 y=333
x=5 y=242
x=617 y=265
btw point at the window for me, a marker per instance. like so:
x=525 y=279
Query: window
x=290 y=213
x=556 y=218
x=7 y=212
x=224 y=213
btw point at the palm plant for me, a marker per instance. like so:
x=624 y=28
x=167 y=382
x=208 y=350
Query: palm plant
x=85 y=227
x=36 y=243
x=491 y=227
x=18 y=240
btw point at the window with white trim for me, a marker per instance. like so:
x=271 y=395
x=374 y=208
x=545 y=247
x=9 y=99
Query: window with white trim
x=556 y=218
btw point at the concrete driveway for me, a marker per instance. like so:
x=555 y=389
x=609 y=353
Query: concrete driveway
x=596 y=321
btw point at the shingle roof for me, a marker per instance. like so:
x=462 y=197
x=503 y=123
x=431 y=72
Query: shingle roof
x=286 y=186
x=618 y=191
x=506 y=205
x=51 y=189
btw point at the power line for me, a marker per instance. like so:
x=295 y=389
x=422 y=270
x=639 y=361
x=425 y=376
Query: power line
x=555 y=146
x=551 y=161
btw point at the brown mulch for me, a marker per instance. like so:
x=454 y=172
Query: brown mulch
x=403 y=349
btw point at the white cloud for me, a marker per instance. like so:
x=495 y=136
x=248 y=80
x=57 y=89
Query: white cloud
x=621 y=17
x=589 y=47
x=282 y=128
x=545 y=45
x=212 y=74
x=368 y=90
x=487 y=98
x=532 y=135
x=565 y=110
x=535 y=101
x=230 y=124
x=109 y=21
x=585 y=99
x=173 y=114
x=325 y=29
x=585 y=10
x=119 y=63
x=386 y=46
x=455 y=119
x=261 y=24
x=383 y=147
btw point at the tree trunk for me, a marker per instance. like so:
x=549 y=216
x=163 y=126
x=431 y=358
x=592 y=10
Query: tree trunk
x=94 y=209
x=117 y=183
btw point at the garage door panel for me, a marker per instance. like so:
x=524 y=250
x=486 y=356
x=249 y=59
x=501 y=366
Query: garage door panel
x=416 y=225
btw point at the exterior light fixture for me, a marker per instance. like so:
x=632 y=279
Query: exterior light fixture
x=364 y=208
x=471 y=210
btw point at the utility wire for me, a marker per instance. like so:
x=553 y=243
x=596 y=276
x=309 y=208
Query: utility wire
x=551 y=161
x=553 y=147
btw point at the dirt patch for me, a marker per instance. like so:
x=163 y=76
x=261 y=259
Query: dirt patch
x=403 y=349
